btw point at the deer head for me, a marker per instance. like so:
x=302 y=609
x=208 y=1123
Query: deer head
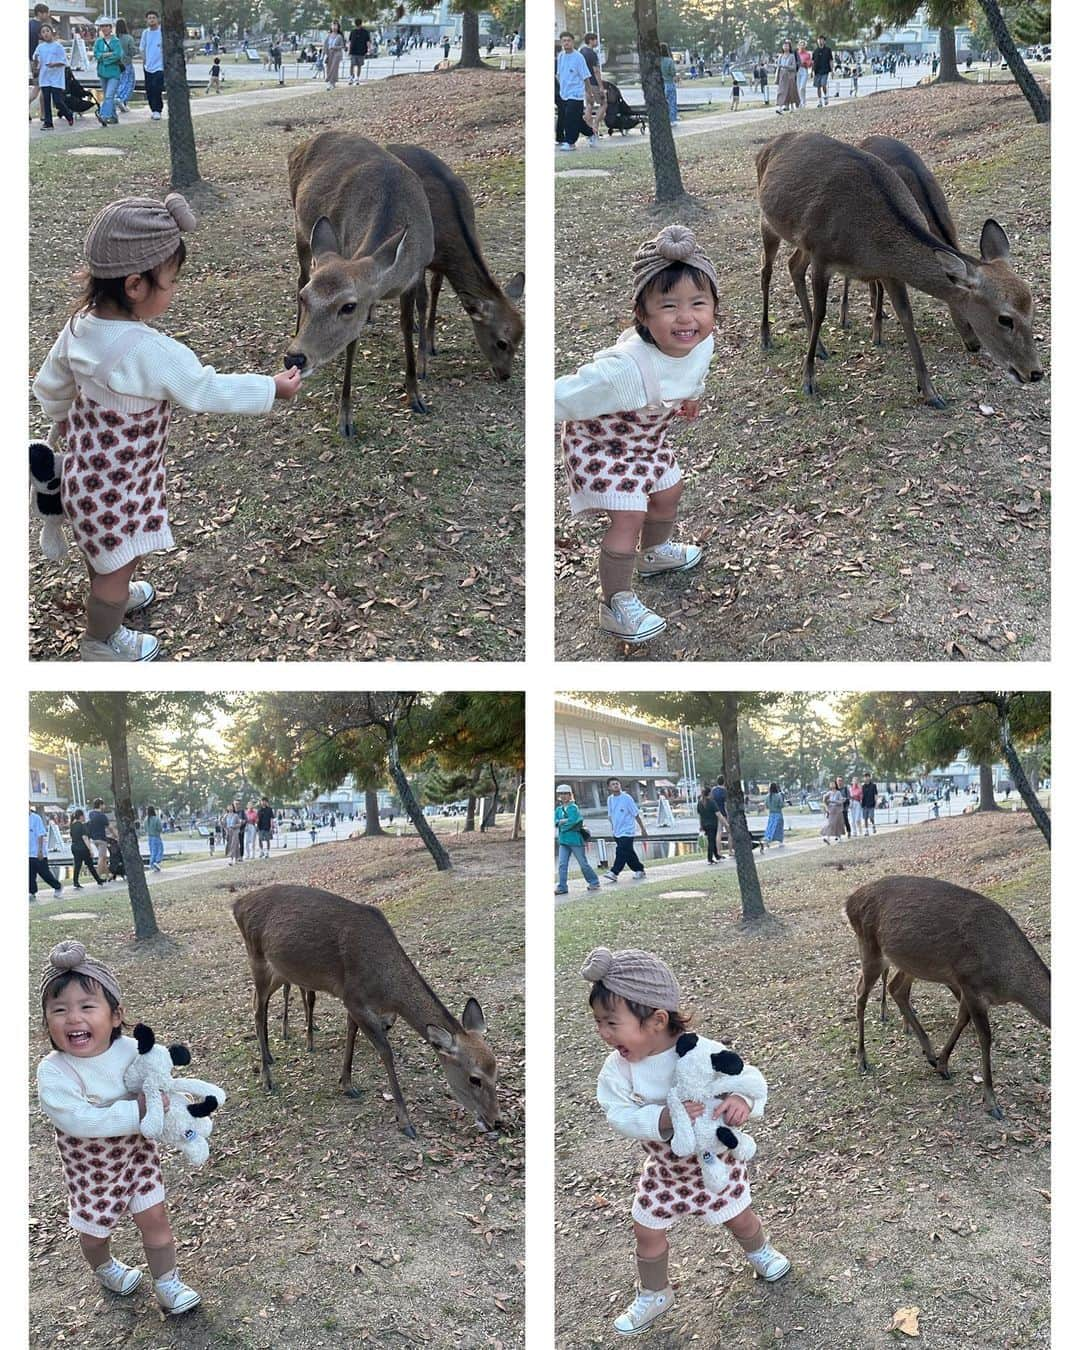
x=996 y=303
x=469 y=1065
x=338 y=301
x=498 y=326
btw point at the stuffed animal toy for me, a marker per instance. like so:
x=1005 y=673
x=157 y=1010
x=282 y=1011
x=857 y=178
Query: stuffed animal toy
x=706 y=1071
x=45 y=469
x=186 y=1125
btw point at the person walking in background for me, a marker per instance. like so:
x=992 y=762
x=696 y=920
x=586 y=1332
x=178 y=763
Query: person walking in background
x=833 y=805
x=855 y=805
x=572 y=73
x=774 y=826
x=52 y=77
x=153 y=55
x=234 y=834
x=359 y=42
x=823 y=64
x=709 y=820
x=868 y=803
x=78 y=50
x=802 y=72
x=570 y=827
x=39 y=16
x=665 y=817
x=669 y=74
x=153 y=839
x=97 y=827
x=787 y=93
x=127 y=75
x=719 y=796
x=214 y=83
x=761 y=78
x=80 y=851
x=595 y=98
x=109 y=56
x=847 y=804
x=625 y=818
x=39 y=862
x=264 y=822
x=333 y=48
x=251 y=828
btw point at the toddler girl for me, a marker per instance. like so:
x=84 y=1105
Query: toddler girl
x=635 y=1000
x=617 y=410
x=107 y=386
x=109 y=1169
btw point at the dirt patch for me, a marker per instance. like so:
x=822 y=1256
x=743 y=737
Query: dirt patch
x=859 y=525
x=316 y=1223
x=293 y=544
x=886 y=1190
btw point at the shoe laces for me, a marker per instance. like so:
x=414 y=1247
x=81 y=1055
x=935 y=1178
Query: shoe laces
x=668 y=549
x=644 y=1302
x=632 y=609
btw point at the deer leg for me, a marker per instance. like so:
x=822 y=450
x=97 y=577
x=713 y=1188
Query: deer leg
x=872 y=968
x=309 y=1008
x=421 y=296
x=436 y=287
x=884 y=991
x=907 y=983
x=264 y=987
x=346 y=427
x=981 y=1019
x=820 y=277
x=963 y=1017
x=371 y=1024
x=407 y=306
x=900 y=987
x=346 y=1066
x=770 y=244
x=797 y=265
x=877 y=305
x=844 y=304
x=287 y=990
x=901 y=305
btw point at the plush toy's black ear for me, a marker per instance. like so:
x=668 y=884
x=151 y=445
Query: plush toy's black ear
x=204 y=1108
x=144 y=1038
x=45 y=479
x=179 y=1054
x=686 y=1043
x=726 y=1137
x=726 y=1061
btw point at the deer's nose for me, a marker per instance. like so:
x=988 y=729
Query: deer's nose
x=1035 y=376
x=295 y=360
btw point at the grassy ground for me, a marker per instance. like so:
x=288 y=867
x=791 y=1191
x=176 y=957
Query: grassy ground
x=888 y=1190
x=860 y=525
x=315 y=1223
x=293 y=544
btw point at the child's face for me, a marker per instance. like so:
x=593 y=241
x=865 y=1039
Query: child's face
x=680 y=318
x=149 y=300
x=620 y=1030
x=80 y=1021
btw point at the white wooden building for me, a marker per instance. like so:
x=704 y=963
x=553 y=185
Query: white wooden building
x=595 y=744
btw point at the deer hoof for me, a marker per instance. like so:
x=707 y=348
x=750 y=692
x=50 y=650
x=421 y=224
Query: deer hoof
x=809 y=388
x=934 y=401
x=417 y=404
x=766 y=341
x=347 y=430
x=822 y=352
x=409 y=1131
x=353 y=1092
x=996 y=1112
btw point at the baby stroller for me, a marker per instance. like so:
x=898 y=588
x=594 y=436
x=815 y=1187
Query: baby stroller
x=618 y=115
x=116 y=858
x=79 y=100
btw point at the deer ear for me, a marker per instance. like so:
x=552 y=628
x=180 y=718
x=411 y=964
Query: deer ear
x=440 y=1038
x=515 y=287
x=955 y=268
x=323 y=239
x=993 y=242
x=386 y=255
x=472 y=1019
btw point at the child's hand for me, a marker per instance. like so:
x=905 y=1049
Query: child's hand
x=141 y=1099
x=287 y=383
x=694 y=1109
x=734 y=1112
x=689 y=408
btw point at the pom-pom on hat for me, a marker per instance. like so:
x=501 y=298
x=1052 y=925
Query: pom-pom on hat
x=674 y=244
x=136 y=234
x=71 y=956
x=635 y=975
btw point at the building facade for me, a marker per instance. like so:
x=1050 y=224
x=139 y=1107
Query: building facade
x=917 y=38
x=595 y=744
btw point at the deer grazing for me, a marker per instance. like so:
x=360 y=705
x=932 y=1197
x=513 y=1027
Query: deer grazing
x=311 y=938
x=924 y=929
x=363 y=234
x=458 y=259
x=847 y=211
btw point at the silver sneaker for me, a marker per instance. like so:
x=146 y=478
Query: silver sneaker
x=645 y=1309
x=640 y=876
x=124 y=645
x=117 y=1277
x=769 y=1263
x=610 y=876
x=174 y=1295
x=627 y=618
x=140 y=594
x=669 y=557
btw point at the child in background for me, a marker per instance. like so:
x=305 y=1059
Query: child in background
x=214 y=86
x=52 y=76
x=635 y=1000
x=736 y=93
x=109 y=1168
x=616 y=412
x=107 y=386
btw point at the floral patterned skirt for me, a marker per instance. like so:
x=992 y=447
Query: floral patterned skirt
x=671 y=1188
x=108 y=1178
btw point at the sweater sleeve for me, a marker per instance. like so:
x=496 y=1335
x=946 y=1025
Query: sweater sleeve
x=751 y=1086
x=160 y=367
x=54 y=387
x=606 y=385
x=68 y=1109
x=627 y=1117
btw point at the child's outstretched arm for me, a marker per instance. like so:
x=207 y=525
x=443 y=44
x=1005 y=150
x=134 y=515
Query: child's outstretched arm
x=159 y=367
x=68 y=1109
x=606 y=385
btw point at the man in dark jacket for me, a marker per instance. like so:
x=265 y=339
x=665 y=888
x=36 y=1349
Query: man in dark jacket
x=869 y=803
x=264 y=823
x=719 y=796
x=359 y=42
x=822 y=63
x=97 y=827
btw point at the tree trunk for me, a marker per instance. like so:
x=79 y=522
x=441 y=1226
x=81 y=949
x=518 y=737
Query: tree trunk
x=470 y=814
x=142 y=907
x=669 y=185
x=1040 y=104
x=1020 y=778
x=371 y=813
x=470 y=41
x=753 y=907
x=986 y=788
x=412 y=807
x=947 y=71
x=491 y=807
x=184 y=164
x=519 y=803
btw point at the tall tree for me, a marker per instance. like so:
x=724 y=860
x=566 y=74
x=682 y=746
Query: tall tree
x=183 y=160
x=1032 y=91
x=477 y=733
x=669 y=184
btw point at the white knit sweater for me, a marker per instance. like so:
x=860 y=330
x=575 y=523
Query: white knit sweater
x=611 y=382
x=632 y=1096
x=104 y=1110
x=155 y=368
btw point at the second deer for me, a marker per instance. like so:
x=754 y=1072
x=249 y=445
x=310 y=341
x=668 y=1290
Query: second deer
x=925 y=929
x=317 y=940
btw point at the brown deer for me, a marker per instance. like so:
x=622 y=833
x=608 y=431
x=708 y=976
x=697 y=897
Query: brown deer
x=311 y=938
x=363 y=234
x=847 y=211
x=925 y=929
x=307 y=997
x=497 y=325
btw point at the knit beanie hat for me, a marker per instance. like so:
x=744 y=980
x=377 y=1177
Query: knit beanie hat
x=635 y=975
x=136 y=234
x=71 y=957
x=674 y=244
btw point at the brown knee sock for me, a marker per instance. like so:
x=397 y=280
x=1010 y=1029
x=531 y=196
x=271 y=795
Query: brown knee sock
x=103 y=617
x=96 y=1250
x=656 y=531
x=160 y=1259
x=752 y=1243
x=652 y=1271
x=616 y=571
